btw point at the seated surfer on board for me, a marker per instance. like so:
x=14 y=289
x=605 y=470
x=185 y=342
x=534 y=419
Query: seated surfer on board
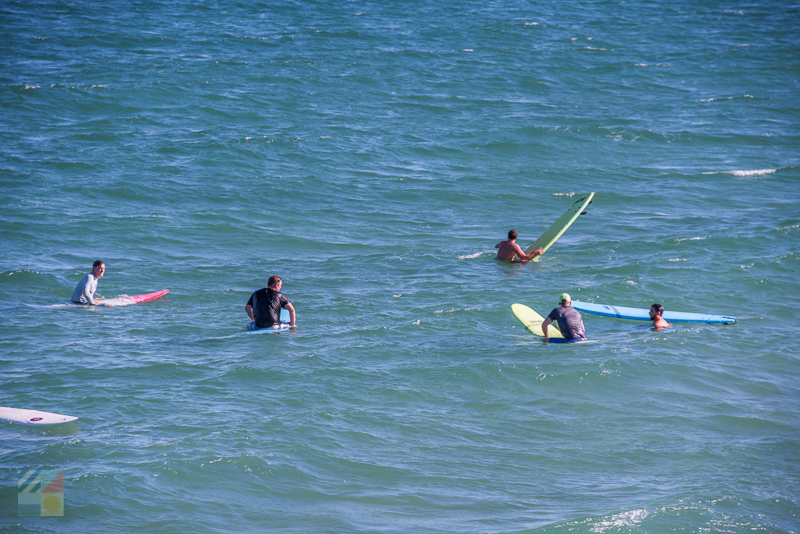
x=84 y=291
x=264 y=306
x=509 y=249
x=568 y=319
x=656 y=312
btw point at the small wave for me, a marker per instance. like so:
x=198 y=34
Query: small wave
x=564 y=194
x=757 y=172
x=677 y=259
x=626 y=519
x=681 y=239
x=471 y=256
x=21 y=271
x=725 y=98
x=452 y=310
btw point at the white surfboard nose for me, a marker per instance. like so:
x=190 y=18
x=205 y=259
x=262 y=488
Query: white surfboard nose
x=21 y=416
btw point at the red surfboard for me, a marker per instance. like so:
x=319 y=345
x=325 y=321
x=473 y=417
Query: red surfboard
x=149 y=296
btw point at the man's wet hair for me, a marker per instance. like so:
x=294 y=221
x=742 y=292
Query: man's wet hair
x=658 y=308
x=98 y=263
x=273 y=280
x=512 y=234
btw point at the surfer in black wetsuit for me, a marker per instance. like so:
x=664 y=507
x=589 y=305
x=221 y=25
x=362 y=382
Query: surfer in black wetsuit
x=264 y=306
x=568 y=319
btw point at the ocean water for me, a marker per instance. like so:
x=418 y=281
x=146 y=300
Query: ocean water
x=372 y=153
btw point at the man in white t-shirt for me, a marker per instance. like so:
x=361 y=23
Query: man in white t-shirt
x=84 y=292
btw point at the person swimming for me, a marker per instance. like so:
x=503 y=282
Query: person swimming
x=656 y=312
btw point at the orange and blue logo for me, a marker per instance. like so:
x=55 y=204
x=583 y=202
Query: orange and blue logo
x=40 y=492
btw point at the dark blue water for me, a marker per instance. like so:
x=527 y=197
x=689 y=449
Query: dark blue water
x=372 y=154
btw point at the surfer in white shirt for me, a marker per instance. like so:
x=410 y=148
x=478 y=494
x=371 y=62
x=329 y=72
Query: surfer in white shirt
x=509 y=249
x=84 y=292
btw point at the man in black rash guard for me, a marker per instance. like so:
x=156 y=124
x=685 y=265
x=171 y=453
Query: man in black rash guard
x=264 y=306
x=568 y=319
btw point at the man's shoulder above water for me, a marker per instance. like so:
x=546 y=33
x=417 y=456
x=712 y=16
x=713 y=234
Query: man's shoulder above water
x=507 y=250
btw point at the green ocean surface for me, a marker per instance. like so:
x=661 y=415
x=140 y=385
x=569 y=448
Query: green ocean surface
x=371 y=154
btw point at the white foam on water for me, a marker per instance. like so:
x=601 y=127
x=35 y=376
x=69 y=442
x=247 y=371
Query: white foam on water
x=626 y=519
x=122 y=300
x=473 y=255
x=744 y=174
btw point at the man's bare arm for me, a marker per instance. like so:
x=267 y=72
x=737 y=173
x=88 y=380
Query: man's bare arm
x=537 y=252
x=292 y=314
x=545 y=324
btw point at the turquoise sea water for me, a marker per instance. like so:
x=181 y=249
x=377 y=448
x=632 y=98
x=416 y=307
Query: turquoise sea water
x=372 y=153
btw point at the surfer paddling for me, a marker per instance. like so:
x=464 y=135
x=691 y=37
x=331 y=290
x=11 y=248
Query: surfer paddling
x=509 y=249
x=656 y=312
x=568 y=319
x=84 y=291
x=264 y=306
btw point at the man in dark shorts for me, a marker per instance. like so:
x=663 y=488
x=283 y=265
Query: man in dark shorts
x=568 y=319
x=264 y=306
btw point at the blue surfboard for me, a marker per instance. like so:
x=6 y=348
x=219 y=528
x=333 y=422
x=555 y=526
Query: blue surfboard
x=642 y=314
x=285 y=317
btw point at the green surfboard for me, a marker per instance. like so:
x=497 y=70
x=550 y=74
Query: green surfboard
x=533 y=321
x=552 y=234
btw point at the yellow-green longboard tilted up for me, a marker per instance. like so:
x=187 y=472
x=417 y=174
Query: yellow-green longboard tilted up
x=533 y=321
x=552 y=234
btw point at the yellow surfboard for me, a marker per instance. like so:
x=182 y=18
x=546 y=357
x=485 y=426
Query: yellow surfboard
x=533 y=321
x=552 y=234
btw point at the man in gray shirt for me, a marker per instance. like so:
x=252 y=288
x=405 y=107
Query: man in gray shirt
x=568 y=319
x=84 y=292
